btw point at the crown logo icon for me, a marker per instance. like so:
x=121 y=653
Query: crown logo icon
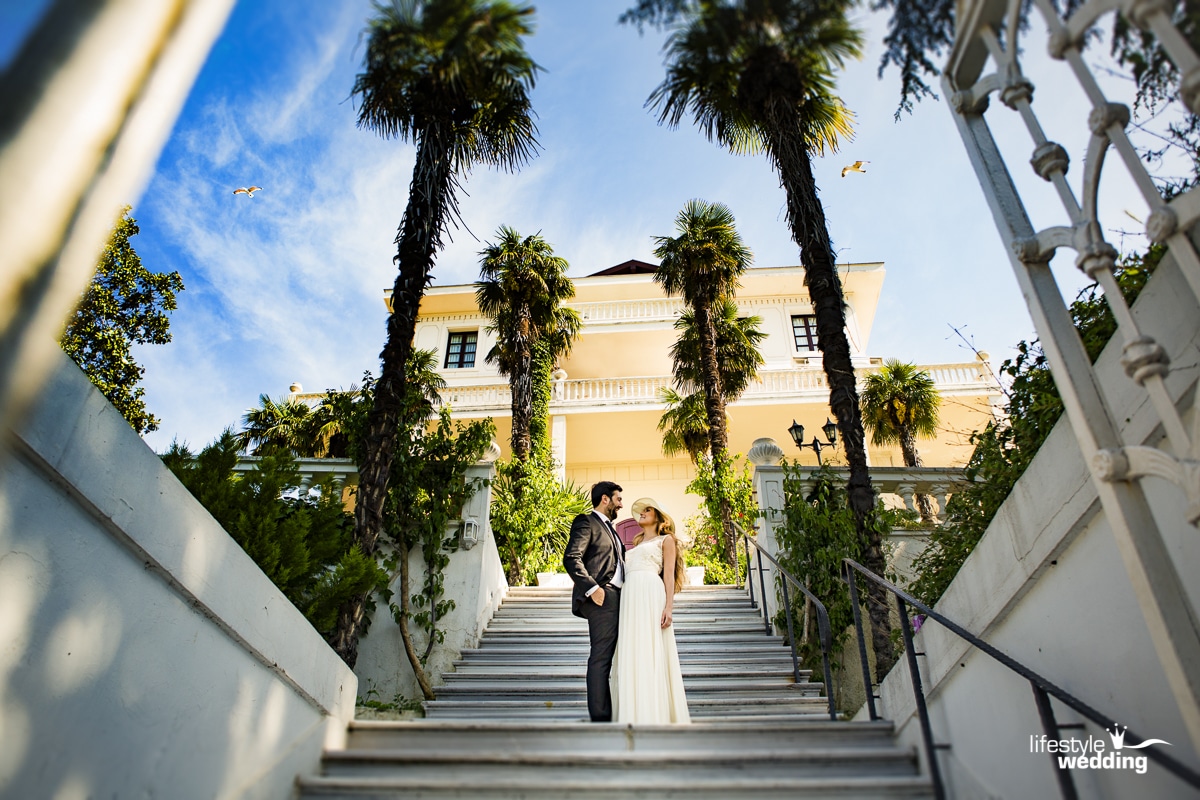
x=1117 y=734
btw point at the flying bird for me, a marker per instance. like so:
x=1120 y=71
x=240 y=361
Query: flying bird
x=248 y=191
x=857 y=166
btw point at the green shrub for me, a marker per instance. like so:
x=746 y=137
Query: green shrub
x=301 y=541
x=531 y=518
x=818 y=532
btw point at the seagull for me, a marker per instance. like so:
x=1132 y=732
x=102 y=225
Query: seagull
x=248 y=191
x=855 y=167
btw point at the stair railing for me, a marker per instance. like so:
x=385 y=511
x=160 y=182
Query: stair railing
x=1043 y=689
x=823 y=630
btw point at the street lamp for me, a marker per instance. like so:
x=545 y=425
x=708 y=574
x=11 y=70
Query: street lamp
x=830 y=430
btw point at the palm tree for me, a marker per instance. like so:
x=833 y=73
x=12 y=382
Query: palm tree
x=900 y=404
x=453 y=77
x=737 y=340
x=757 y=76
x=277 y=426
x=684 y=424
x=703 y=263
x=522 y=287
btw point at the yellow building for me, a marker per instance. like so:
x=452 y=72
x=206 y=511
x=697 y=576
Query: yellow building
x=605 y=405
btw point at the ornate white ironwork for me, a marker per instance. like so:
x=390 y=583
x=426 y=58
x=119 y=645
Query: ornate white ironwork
x=989 y=34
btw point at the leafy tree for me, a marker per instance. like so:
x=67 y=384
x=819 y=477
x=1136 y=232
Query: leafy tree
x=706 y=531
x=453 y=77
x=428 y=489
x=531 y=519
x=818 y=532
x=125 y=304
x=899 y=404
x=304 y=544
x=427 y=494
x=703 y=264
x=522 y=287
x=532 y=509
x=759 y=77
x=1004 y=449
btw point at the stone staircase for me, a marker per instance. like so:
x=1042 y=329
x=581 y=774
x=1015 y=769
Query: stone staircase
x=511 y=722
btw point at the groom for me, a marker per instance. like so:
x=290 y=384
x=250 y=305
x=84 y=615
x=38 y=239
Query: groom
x=595 y=560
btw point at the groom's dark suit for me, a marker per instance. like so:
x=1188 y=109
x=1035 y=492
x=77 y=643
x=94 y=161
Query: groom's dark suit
x=593 y=553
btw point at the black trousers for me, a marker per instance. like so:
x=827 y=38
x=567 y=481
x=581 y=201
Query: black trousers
x=602 y=631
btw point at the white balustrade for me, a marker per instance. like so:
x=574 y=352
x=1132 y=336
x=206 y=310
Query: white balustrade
x=805 y=382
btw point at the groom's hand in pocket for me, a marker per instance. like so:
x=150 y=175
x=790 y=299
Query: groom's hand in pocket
x=598 y=596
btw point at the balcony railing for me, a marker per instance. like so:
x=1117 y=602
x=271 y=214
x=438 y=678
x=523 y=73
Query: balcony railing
x=801 y=383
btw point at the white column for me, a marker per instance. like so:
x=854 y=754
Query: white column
x=558 y=445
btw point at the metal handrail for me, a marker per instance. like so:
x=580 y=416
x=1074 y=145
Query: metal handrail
x=823 y=629
x=1043 y=689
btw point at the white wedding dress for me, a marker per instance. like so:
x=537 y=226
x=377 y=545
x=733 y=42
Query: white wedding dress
x=647 y=685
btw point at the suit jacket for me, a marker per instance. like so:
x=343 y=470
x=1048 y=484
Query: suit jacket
x=591 y=557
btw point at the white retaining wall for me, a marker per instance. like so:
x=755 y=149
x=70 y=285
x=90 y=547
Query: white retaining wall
x=1047 y=586
x=142 y=653
x=474 y=578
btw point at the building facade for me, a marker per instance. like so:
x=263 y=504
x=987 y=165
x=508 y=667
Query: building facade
x=606 y=402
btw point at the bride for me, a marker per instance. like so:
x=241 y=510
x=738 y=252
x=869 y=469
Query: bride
x=647 y=685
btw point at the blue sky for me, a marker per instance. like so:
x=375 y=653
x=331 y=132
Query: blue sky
x=288 y=285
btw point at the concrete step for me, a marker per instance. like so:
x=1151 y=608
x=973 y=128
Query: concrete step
x=742 y=735
x=625 y=788
x=732 y=639
x=696 y=688
x=538 y=707
x=653 y=769
x=574 y=667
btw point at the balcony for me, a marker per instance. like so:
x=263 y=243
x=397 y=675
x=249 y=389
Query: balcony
x=638 y=393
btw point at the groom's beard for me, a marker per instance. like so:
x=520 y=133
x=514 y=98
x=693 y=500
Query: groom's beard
x=611 y=514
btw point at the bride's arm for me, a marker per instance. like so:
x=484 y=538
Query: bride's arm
x=668 y=576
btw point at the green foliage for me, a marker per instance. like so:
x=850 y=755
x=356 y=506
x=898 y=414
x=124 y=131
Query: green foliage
x=302 y=543
x=532 y=510
x=370 y=699
x=522 y=287
x=818 y=533
x=706 y=549
x=428 y=490
x=708 y=546
x=900 y=402
x=531 y=518
x=125 y=304
x=1003 y=450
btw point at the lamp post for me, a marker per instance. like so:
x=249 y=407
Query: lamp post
x=830 y=430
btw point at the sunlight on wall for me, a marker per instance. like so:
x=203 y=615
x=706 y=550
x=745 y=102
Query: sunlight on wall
x=256 y=726
x=83 y=645
x=22 y=588
x=73 y=787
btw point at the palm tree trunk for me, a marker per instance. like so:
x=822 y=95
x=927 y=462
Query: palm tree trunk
x=806 y=216
x=908 y=449
x=718 y=437
x=418 y=240
x=521 y=385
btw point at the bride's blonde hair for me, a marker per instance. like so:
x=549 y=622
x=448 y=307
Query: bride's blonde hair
x=666 y=527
